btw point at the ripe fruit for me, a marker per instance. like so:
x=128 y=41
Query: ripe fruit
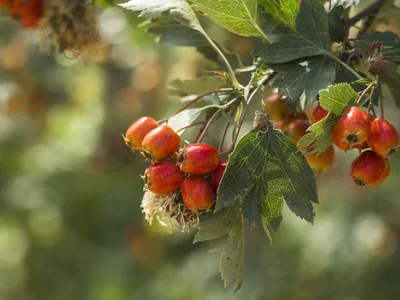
x=352 y=129
x=160 y=143
x=297 y=129
x=385 y=172
x=369 y=169
x=197 y=193
x=276 y=109
x=138 y=130
x=322 y=162
x=198 y=159
x=29 y=11
x=283 y=124
x=318 y=114
x=163 y=178
x=216 y=176
x=384 y=137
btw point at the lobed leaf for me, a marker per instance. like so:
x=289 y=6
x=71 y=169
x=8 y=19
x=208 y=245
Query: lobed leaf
x=267 y=166
x=238 y=16
x=180 y=10
x=309 y=77
x=310 y=36
x=337 y=97
x=283 y=11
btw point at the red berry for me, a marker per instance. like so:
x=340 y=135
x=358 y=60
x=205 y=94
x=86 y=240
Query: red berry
x=138 y=130
x=369 y=169
x=216 y=176
x=197 y=193
x=352 y=129
x=297 y=129
x=283 y=124
x=276 y=109
x=318 y=114
x=384 y=137
x=163 y=178
x=322 y=162
x=160 y=143
x=385 y=172
x=198 y=159
x=30 y=11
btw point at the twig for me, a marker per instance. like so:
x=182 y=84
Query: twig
x=364 y=92
x=221 y=143
x=193 y=101
x=371 y=103
x=191 y=125
x=213 y=118
x=372 y=9
x=378 y=80
x=263 y=81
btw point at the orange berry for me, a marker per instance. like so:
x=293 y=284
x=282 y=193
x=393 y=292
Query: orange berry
x=369 y=169
x=276 y=109
x=198 y=159
x=322 y=162
x=352 y=129
x=297 y=129
x=217 y=175
x=197 y=193
x=163 y=178
x=160 y=143
x=384 y=137
x=138 y=130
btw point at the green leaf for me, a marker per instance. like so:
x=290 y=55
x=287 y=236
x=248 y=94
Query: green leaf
x=226 y=223
x=180 y=10
x=319 y=135
x=267 y=166
x=283 y=11
x=337 y=97
x=306 y=76
x=337 y=30
x=184 y=118
x=238 y=16
x=310 y=37
x=173 y=36
x=197 y=86
x=392 y=80
x=387 y=38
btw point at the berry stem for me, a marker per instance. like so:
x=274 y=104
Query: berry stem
x=371 y=103
x=213 y=118
x=191 y=125
x=193 y=101
x=364 y=92
x=221 y=143
x=379 y=93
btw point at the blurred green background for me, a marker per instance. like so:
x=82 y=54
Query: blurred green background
x=71 y=225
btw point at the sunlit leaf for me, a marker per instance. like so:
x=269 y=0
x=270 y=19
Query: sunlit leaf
x=337 y=97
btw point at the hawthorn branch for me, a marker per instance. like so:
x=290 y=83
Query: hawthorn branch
x=370 y=10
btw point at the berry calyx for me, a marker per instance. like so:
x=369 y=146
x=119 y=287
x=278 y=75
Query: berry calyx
x=318 y=114
x=276 y=109
x=322 y=162
x=369 y=169
x=197 y=193
x=198 y=159
x=216 y=176
x=352 y=129
x=297 y=129
x=137 y=131
x=160 y=143
x=163 y=178
x=384 y=137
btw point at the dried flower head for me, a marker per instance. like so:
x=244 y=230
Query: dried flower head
x=169 y=211
x=71 y=25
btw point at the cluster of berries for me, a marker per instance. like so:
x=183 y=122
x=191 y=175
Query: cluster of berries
x=28 y=12
x=357 y=129
x=295 y=126
x=194 y=171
